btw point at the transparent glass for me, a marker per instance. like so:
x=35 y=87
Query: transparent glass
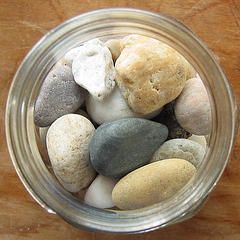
x=22 y=137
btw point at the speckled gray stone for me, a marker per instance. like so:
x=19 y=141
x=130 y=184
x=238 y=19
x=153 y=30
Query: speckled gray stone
x=59 y=95
x=120 y=147
x=181 y=148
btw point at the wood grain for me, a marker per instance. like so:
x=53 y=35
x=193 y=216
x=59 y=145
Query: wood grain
x=22 y=23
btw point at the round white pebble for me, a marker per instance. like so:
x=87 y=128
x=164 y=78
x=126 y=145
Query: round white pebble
x=99 y=193
x=112 y=108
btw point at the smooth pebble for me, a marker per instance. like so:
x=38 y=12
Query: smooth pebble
x=113 y=107
x=192 y=108
x=119 y=147
x=152 y=183
x=68 y=141
x=93 y=69
x=99 y=193
x=114 y=47
x=185 y=149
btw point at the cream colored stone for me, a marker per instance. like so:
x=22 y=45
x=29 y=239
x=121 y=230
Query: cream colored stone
x=114 y=47
x=133 y=39
x=150 y=74
x=152 y=183
x=190 y=71
x=68 y=141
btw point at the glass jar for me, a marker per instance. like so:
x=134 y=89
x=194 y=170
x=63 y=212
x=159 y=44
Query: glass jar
x=21 y=131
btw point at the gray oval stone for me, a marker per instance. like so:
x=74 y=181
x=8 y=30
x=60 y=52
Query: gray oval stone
x=180 y=148
x=59 y=95
x=120 y=147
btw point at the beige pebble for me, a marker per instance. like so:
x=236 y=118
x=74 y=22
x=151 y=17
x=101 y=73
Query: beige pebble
x=150 y=74
x=114 y=47
x=192 y=108
x=133 y=39
x=68 y=141
x=152 y=183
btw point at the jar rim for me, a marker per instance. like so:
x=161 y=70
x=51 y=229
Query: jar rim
x=19 y=115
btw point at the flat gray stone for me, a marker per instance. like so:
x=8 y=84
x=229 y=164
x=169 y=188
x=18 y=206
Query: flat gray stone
x=122 y=146
x=59 y=95
x=181 y=148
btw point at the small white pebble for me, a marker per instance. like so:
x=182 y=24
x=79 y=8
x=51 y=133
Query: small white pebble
x=199 y=139
x=99 y=193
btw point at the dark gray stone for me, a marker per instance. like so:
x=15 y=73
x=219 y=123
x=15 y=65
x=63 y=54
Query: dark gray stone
x=59 y=95
x=122 y=146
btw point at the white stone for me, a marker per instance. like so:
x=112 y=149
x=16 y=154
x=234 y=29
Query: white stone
x=199 y=139
x=99 y=193
x=112 y=108
x=71 y=54
x=68 y=141
x=93 y=69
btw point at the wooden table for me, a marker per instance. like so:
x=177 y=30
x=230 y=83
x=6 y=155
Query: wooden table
x=22 y=23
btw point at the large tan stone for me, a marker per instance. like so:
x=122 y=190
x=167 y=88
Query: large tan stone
x=152 y=183
x=150 y=74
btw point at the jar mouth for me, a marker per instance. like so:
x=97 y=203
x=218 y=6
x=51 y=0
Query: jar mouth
x=21 y=135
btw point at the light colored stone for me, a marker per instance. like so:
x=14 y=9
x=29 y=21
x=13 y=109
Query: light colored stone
x=68 y=141
x=192 y=108
x=93 y=69
x=112 y=108
x=99 y=193
x=152 y=183
x=150 y=74
x=132 y=40
x=181 y=148
x=199 y=139
x=114 y=47
x=71 y=54
x=191 y=73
